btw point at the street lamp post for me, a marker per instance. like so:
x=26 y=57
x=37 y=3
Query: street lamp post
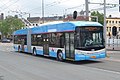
x=43 y=11
x=105 y=22
x=86 y=7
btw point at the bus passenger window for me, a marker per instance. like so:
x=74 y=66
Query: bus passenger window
x=39 y=40
x=34 y=40
x=57 y=40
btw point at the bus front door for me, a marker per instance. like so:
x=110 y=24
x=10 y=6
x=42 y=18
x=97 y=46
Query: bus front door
x=69 y=46
x=45 y=45
x=22 y=45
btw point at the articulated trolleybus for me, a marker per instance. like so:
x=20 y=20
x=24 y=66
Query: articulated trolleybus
x=76 y=40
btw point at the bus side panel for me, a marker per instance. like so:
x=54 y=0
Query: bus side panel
x=53 y=52
x=25 y=48
x=39 y=50
x=15 y=47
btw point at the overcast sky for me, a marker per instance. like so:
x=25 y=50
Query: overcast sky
x=53 y=7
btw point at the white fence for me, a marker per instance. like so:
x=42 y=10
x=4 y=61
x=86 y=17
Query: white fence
x=110 y=41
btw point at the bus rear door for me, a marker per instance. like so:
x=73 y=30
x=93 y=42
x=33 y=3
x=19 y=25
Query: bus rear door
x=45 y=45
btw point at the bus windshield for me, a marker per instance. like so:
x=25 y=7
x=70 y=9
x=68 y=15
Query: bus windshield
x=88 y=38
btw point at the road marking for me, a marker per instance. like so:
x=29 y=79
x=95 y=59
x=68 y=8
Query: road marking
x=13 y=73
x=111 y=59
x=105 y=70
x=114 y=72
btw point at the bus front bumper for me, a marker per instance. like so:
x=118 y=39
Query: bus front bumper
x=79 y=57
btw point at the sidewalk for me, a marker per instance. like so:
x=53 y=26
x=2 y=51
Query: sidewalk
x=113 y=54
x=110 y=48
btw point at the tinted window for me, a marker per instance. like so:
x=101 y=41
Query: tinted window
x=56 y=40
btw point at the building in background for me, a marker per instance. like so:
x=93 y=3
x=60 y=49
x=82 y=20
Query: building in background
x=34 y=20
x=110 y=22
x=69 y=17
x=38 y=20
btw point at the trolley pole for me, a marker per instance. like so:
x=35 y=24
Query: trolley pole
x=43 y=11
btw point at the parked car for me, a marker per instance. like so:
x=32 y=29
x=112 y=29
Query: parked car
x=5 y=40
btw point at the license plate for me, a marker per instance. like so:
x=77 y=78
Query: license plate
x=93 y=56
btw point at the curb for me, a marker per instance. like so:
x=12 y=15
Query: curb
x=112 y=50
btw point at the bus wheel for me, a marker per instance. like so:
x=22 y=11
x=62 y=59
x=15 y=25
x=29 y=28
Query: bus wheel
x=34 y=52
x=19 y=49
x=59 y=55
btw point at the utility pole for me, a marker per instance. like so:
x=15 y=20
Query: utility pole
x=87 y=8
x=43 y=11
x=29 y=15
x=105 y=22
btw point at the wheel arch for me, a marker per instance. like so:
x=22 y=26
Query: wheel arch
x=60 y=52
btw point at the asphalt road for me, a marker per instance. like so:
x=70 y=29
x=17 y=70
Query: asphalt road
x=21 y=66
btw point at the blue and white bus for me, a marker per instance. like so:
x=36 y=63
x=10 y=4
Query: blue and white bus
x=76 y=40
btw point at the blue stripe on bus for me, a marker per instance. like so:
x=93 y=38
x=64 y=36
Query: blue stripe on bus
x=79 y=57
x=39 y=52
x=25 y=50
x=53 y=54
x=89 y=57
x=103 y=55
x=63 y=55
x=15 y=48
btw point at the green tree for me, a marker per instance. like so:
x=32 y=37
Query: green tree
x=9 y=25
x=99 y=15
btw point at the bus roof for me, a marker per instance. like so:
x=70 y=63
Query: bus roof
x=57 y=27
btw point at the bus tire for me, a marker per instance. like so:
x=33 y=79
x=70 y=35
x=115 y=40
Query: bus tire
x=19 y=49
x=59 y=55
x=34 y=52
